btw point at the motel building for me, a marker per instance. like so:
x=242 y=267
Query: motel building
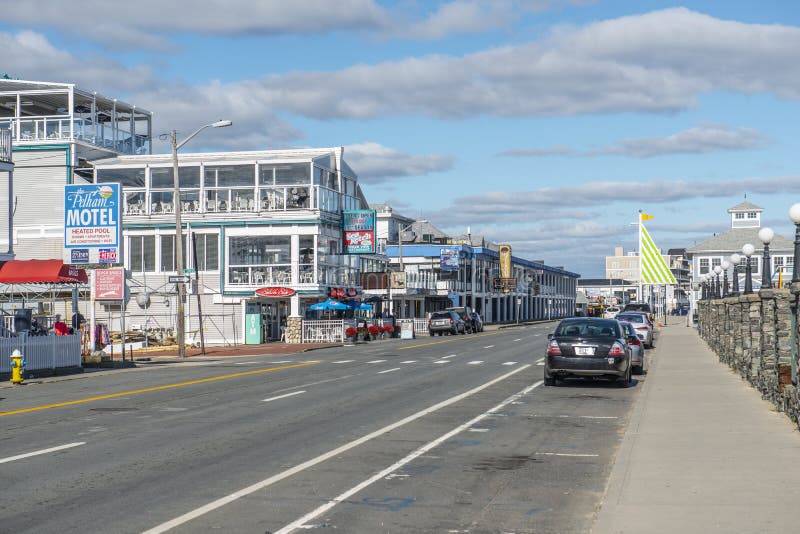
x=262 y=238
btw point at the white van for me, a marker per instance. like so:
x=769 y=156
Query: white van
x=611 y=312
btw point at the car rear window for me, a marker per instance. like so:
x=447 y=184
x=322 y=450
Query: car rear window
x=632 y=318
x=440 y=315
x=638 y=307
x=587 y=329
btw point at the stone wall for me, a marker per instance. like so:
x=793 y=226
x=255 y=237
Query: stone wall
x=752 y=334
x=294 y=330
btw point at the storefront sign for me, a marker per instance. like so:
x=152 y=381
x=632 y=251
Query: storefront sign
x=505 y=261
x=109 y=284
x=92 y=223
x=448 y=259
x=279 y=292
x=398 y=280
x=359 y=231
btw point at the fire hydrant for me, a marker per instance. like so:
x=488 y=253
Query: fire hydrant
x=17 y=367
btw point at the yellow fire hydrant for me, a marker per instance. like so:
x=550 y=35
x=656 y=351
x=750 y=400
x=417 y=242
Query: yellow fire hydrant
x=17 y=366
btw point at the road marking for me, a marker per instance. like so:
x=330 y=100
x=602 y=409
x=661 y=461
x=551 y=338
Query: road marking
x=540 y=363
x=292 y=394
x=377 y=361
x=155 y=388
x=475 y=362
x=442 y=361
x=397 y=465
x=283 y=361
x=478 y=429
x=540 y=360
x=243 y=363
x=43 y=451
x=576 y=416
x=388 y=370
x=509 y=363
x=450 y=356
x=219 y=503
x=536 y=335
x=568 y=454
x=446 y=341
x=489 y=347
x=518 y=339
x=409 y=361
x=344 y=361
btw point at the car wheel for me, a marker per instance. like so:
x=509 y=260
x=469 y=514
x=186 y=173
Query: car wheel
x=625 y=381
x=431 y=334
x=638 y=370
x=549 y=381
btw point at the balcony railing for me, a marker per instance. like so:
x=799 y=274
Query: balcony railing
x=5 y=145
x=235 y=200
x=55 y=128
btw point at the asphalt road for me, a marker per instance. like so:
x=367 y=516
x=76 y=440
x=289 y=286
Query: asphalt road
x=444 y=434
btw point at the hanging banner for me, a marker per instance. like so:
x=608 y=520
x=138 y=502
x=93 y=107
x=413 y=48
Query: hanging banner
x=358 y=227
x=448 y=259
x=505 y=261
x=92 y=224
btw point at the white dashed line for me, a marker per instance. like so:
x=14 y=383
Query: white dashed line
x=489 y=347
x=518 y=339
x=409 y=361
x=281 y=361
x=568 y=454
x=243 y=363
x=475 y=362
x=540 y=360
x=377 y=361
x=442 y=361
x=540 y=363
x=509 y=363
x=343 y=361
x=478 y=429
x=576 y=416
x=292 y=394
x=450 y=356
x=43 y=451
x=388 y=370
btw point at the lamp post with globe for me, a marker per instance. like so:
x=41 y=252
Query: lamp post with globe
x=748 y=251
x=725 y=266
x=766 y=235
x=794 y=216
x=735 y=259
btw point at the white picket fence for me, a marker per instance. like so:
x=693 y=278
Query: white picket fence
x=326 y=331
x=41 y=352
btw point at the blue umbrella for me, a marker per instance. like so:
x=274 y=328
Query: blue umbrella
x=329 y=304
x=355 y=305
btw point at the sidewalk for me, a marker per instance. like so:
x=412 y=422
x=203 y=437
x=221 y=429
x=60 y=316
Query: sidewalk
x=702 y=453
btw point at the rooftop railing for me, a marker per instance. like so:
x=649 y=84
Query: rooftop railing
x=5 y=145
x=55 y=128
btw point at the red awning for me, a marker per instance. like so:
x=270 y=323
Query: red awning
x=41 y=272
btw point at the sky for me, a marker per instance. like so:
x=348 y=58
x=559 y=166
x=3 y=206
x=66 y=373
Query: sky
x=544 y=124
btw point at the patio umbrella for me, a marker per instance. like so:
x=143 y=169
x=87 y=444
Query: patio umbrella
x=329 y=304
x=355 y=305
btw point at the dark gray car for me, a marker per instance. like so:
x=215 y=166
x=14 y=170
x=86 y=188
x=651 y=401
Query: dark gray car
x=446 y=322
x=588 y=347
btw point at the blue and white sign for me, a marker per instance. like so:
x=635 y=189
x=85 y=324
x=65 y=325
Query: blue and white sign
x=93 y=223
x=448 y=259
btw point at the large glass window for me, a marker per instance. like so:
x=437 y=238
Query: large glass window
x=162 y=187
x=703 y=265
x=207 y=252
x=168 y=260
x=142 y=252
x=230 y=188
x=256 y=260
x=284 y=187
x=307 y=259
x=127 y=177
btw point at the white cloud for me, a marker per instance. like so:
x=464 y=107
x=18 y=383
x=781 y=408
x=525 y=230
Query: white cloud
x=460 y=16
x=374 y=162
x=138 y=24
x=701 y=139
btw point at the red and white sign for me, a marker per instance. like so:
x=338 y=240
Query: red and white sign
x=275 y=292
x=109 y=284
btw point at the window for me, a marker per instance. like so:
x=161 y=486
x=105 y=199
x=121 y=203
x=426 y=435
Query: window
x=142 y=252
x=752 y=215
x=285 y=186
x=777 y=261
x=755 y=261
x=207 y=252
x=615 y=265
x=230 y=188
x=256 y=260
x=168 y=253
x=739 y=215
x=789 y=261
x=703 y=265
x=716 y=262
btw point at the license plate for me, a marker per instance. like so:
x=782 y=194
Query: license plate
x=584 y=351
x=611 y=361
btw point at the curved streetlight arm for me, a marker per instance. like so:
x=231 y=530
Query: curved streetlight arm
x=218 y=124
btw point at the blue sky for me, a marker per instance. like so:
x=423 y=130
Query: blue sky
x=542 y=123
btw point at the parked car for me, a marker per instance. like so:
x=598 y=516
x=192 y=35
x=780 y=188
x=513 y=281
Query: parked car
x=477 y=321
x=446 y=322
x=588 y=347
x=611 y=312
x=637 y=348
x=640 y=307
x=643 y=327
x=465 y=312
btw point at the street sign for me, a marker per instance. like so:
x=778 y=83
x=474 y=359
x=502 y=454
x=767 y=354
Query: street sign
x=497 y=283
x=509 y=282
x=188 y=271
x=179 y=279
x=109 y=284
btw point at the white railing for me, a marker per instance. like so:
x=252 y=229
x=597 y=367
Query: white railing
x=41 y=352
x=325 y=331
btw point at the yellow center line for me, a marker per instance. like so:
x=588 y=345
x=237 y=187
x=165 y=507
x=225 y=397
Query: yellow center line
x=446 y=341
x=154 y=388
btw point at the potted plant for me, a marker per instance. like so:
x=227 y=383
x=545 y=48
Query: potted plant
x=362 y=333
x=375 y=331
x=388 y=330
x=350 y=333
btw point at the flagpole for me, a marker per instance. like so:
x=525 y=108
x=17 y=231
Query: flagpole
x=641 y=260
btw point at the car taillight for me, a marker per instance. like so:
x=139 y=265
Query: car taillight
x=641 y=328
x=451 y=320
x=553 y=349
x=429 y=322
x=616 y=350
x=635 y=342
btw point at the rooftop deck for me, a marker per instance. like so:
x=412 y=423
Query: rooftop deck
x=41 y=112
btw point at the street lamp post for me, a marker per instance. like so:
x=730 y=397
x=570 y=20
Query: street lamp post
x=748 y=251
x=400 y=229
x=766 y=235
x=180 y=325
x=794 y=216
x=735 y=259
x=725 y=266
x=717 y=292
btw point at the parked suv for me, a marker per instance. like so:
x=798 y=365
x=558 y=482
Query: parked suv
x=465 y=312
x=446 y=322
x=639 y=307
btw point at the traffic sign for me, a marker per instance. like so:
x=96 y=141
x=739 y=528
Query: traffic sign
x=179 y=279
